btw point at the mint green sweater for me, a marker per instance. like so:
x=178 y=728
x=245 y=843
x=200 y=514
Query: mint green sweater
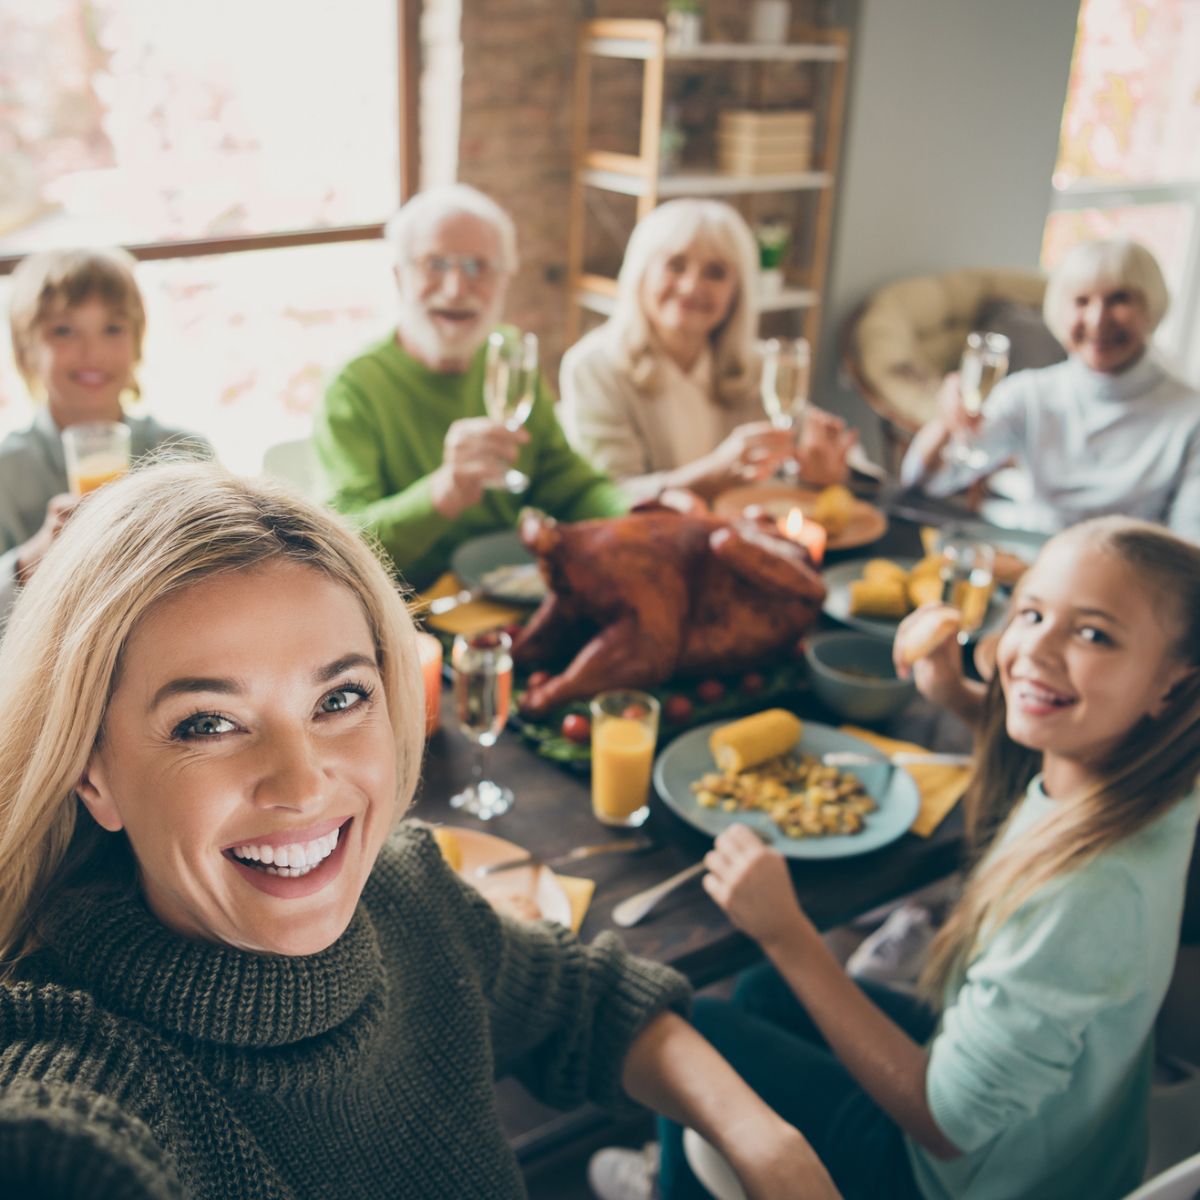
x=134 y=1063
x=379 y=436
x=1039 y=1072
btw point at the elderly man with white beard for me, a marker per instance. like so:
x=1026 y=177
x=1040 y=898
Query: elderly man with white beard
x=403 y=439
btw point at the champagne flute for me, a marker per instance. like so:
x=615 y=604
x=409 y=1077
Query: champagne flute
x=966 y=571
x=984 y=364
x=784 y=386
x=509 y=388
x=482 y=667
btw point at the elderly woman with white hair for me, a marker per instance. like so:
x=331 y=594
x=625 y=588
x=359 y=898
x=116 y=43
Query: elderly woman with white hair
x=1110 y=430
x=665 y=393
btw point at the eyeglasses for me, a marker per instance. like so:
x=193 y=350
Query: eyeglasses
x=438 y=266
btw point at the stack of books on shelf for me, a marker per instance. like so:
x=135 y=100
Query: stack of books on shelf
x=750 y=142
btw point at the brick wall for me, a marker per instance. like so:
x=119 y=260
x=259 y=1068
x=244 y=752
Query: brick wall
x=510 y=115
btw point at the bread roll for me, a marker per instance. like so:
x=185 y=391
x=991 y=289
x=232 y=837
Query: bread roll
x=926 y=632
x=833 y=508
x=924 y=589
x=881 y=570
x=886 y=598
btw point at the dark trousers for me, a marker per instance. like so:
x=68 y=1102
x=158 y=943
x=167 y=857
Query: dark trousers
x=773 y=1044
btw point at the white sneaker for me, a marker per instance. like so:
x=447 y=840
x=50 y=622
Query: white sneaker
x=895 y=952
x=619 y=1173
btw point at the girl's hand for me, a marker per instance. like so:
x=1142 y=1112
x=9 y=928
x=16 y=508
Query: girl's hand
x=751 y=884
x=824 y=444
x=937 y=672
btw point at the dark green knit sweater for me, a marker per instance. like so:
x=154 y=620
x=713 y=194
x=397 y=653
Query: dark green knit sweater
x=136 y=1063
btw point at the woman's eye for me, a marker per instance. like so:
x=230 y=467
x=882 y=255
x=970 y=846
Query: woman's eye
x=716 y=272
x=1028 y=616
x=342 y=699
x=677 y=264
x=1122 y=297
x=203 y=725
x=1090 y=633
x=60 y=331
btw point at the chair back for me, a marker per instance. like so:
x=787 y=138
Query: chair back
x=1181 y=1182
x=293 y=462
x=711 y=1167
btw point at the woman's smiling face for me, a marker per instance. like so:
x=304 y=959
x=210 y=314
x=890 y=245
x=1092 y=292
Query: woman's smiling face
x=247 y=753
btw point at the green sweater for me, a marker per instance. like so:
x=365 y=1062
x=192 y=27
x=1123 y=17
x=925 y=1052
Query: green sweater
x=135 y=1063
x=379 y=436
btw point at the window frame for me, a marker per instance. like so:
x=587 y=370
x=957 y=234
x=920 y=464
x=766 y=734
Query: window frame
x=408 y=62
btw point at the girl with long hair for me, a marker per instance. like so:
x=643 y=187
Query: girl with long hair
x=1023 y=1068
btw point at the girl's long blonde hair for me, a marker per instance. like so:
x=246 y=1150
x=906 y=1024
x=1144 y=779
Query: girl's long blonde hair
x=129 y=546
x=667 y=230
x=1154 y=767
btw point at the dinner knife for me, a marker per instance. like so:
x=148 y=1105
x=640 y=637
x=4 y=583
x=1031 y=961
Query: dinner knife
x=623 y=845
x=902 y=758
x=444 y=604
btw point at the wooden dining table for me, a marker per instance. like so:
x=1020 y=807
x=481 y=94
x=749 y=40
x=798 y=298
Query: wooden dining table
x=552 y=813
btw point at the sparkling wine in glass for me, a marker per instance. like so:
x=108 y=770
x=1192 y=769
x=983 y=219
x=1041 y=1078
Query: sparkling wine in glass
x=509 y=387
x=984 y=364
x=784 y=384
x=967 y=573
x=482 y=667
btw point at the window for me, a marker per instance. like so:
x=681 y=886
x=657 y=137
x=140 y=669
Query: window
x=251 y=150
x=1129 y=155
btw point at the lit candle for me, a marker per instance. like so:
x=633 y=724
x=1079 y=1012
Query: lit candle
x=809 y=534
x=429 y=650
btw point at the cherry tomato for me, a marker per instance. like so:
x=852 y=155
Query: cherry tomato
x=710 y=691
x=536 y=679
x=513 y=631
x=678 y=709
x=634 y=712
x=753 y=683
x=577 y=728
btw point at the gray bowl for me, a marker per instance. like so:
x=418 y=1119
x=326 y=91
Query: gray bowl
x=852 y=674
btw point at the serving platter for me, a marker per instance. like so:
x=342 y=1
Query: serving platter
x=688 y=758
x=839 y=577
x=531 y=892
x=867 y=523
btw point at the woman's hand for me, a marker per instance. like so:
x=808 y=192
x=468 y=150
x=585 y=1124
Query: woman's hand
x=31 y=553
x=751 y=884
x=751 y=452
x=951 y=409
x=477 y=451
x=824 y=444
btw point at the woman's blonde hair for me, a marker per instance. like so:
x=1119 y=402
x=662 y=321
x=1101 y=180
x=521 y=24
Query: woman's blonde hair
x=45 y=283
x=131 y=545
x=667 y=230
x=1154 y=767
x=1115 y=263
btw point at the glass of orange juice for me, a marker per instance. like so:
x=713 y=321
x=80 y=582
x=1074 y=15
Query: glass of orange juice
x=624 y=730
x=97 y=452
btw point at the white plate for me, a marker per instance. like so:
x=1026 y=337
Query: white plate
x=837 y=601
x=534 y=887
x=688 y=757
x=479 y=556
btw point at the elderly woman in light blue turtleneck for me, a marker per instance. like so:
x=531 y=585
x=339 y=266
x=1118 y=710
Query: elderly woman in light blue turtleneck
x=1109 y=430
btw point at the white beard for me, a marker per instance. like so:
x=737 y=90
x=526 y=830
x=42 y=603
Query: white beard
x=428 y=341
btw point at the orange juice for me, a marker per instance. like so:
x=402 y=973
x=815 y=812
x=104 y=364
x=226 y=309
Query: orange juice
x=93 y=475
x=622 y=755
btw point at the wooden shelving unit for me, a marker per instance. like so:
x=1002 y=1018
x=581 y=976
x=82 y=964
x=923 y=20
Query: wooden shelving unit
x=638 y=175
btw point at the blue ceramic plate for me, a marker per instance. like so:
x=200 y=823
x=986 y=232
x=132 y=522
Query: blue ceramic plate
x=489 y=554
x=837 y=600
x=687 y=758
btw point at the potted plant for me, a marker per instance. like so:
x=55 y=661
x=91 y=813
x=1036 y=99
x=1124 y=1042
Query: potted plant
x=685 y=23
x=772 y=235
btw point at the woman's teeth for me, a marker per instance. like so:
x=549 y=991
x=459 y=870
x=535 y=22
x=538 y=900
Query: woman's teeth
x=292 y=860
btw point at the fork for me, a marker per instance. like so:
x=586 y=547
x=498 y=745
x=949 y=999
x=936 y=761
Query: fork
x=632 y=910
